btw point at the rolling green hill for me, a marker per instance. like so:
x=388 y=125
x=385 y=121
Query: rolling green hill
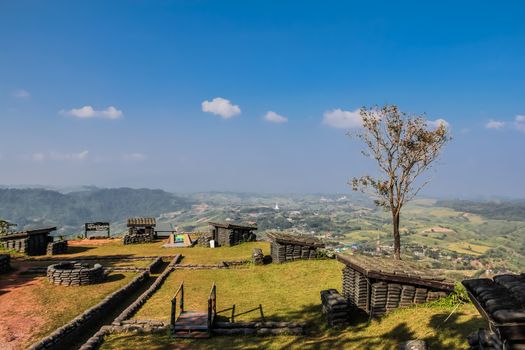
x=37 y=207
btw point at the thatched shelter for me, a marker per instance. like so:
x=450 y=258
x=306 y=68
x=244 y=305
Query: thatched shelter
x=286 y=247
x=229 y=234
x=30 y=242
x=378 y=285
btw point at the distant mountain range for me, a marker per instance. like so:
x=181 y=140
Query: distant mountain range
x=36 y=207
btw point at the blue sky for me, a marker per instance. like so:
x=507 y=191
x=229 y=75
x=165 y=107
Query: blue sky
x=111 y=93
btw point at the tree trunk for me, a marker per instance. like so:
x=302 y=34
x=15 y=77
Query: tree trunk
x=397 y=239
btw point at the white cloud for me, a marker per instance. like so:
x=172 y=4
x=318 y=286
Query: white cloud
x=135 y=157
x=337 y=118
x=494 y=124
x=437 y=123
x=89 y=112
x=222 y=107
x=21 y=93
x=38 y=157
x=275 y=118
x=519 y=122
x=55 y=156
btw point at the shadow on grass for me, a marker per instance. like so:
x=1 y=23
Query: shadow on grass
x=112 y=277
x=13 y=280
x=449 y=331
x=75 y=249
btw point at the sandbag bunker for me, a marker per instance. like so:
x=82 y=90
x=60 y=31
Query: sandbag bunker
x=140 y=230
x=286 y=247
x=75 y=274
x=378 y=285
x=33 y=242
x=501 y=302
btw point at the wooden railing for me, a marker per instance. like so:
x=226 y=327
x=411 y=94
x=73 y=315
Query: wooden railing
x=174 y=315
x=259 y=308
x=212 y=306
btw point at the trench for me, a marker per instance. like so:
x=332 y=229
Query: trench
x=77 y=338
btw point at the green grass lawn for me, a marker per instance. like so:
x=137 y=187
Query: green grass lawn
x=286 y=291
x=60 y=304
x=429 y=323
x=290 y=292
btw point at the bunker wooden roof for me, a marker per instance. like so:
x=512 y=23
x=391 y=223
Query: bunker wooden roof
x=230 y=226
x=395 y=270
x=26 y=233
x=285 y=238
x=141 y=222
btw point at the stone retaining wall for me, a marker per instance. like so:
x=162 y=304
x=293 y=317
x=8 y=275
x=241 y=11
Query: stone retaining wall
x=258 y=328
x=115 y=257
x=5 y=263
x=139 y=326
x=58 y=247
x=126 y=268
x=74 y=274
x=81 y=322
x=209 y=267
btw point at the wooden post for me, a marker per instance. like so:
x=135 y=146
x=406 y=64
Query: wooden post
x=173 y=311
x=262 y=315
x=182 y=297
x=233 y=313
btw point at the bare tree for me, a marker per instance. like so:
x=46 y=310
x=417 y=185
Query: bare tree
x=404 y=147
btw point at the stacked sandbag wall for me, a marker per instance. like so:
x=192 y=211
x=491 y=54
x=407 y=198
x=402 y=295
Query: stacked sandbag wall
x=137 y=238
x=378 y=297
x=58 y=247
x=289 y=252
x=335 y=308
x=74 y=274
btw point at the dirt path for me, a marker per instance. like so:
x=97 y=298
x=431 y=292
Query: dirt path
x=92 y=242
x=19 y=315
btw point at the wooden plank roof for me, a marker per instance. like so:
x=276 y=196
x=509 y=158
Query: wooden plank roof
x=22 y=234
x=389 y=269
x=285 y=238
x=141 y=222
x=231 y=226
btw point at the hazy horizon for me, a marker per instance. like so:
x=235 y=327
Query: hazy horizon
x=348 y=193
x=255 y=96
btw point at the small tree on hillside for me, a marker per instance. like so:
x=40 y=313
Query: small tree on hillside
x=5 y=225
x=404 y=147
